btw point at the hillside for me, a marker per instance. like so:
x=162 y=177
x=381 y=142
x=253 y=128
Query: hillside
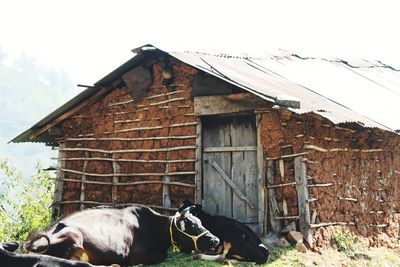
x=29 y=92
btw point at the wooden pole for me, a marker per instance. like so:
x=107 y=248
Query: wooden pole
x=262 y=214
x=83 y=185
x=58 y=190
x=302 y=197
x=198 y=165
x=115 y=181
x=274 y=211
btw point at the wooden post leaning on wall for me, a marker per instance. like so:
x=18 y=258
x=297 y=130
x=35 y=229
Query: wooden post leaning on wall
x=198 y=165
x=58 y=188
x=165 y=192
x=262 y=214
x=83 y=185
x=115 y=181
x=274 y=211
x=166 y=198
x=302 y=197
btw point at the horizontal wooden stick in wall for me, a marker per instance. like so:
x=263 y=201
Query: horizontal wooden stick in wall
x=379 y=225
x=124 y=183
x=149 y=97
x=319 y=185
x=126 y=174
x=347 y=198
x=108 y=204
x=193 y=123
x=139 y=150
x=345 y=129
x=86 y=135
x=289 y=156
x=286 y=217
x=377 y=212
x=167 y=94
x=317 y=225
x=154 y=127
x=281 y=185
x=128 y=121
x=167 y=101
x=120 y=103
x=312 y=161
x=320 y=149
x=129 y=160
x=316 y=148
x=131 y=139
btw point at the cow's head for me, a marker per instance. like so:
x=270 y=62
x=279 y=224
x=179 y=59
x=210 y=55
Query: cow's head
x=245 y=244
x=189 y=234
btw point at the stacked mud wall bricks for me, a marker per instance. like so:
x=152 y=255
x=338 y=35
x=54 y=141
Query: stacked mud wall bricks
x=118 y=150
x=353 y=176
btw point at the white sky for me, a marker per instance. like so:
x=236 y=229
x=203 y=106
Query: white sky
x=90 y=38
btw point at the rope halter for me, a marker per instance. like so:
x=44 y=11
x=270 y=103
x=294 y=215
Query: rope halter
x=175 y=247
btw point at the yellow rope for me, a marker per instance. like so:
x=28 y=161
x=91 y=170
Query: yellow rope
x=175 y=248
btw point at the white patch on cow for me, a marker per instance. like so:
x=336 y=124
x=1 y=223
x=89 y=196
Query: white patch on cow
x=262 y=245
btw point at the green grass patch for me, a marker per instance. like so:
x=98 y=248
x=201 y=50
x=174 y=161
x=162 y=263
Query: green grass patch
x=278 y=258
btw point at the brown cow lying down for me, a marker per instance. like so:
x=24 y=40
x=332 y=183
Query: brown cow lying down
x=126 y=236
x=10 y=259
x=238 y=241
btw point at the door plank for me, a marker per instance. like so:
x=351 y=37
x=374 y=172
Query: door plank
x=228 y=180
x=217 y=193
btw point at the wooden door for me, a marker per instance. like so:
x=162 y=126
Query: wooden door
x=230 y=168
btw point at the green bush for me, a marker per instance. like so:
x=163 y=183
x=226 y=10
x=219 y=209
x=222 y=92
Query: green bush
x=347 y=243
x=25 y=204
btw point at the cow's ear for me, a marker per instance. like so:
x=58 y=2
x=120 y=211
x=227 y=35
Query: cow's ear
x=185 y=204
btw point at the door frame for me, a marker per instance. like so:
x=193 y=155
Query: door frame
x=262 y=203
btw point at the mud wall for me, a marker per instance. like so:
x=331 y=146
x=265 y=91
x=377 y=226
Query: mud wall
x=353 y=175
x=123 y=148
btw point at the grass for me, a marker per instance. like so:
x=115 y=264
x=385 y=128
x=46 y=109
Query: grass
x=278 y=257
x=289 y=257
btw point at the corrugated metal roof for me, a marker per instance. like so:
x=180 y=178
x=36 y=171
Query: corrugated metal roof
x=332 y=89
x=370 y=87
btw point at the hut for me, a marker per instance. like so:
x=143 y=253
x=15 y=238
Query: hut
x=233 y=134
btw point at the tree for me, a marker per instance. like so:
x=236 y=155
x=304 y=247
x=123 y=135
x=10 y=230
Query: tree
x=25 y=205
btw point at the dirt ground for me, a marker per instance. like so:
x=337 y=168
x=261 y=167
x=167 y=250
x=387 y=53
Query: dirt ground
x=373 y=257
x=290 y=257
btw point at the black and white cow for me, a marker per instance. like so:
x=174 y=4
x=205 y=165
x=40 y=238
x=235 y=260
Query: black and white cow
x=125 y=236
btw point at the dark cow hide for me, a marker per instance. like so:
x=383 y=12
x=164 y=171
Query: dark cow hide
x=126 y=236
x=10 y=259
x=241 y=243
